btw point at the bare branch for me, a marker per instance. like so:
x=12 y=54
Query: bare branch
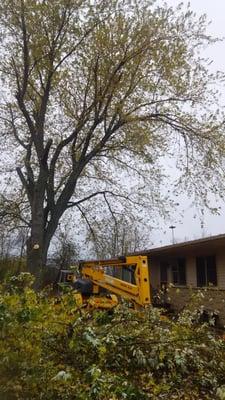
x=86 y=220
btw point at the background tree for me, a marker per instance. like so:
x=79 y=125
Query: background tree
x=12 y=250
x=90 y=88
x=110 y=236
x=66 y=252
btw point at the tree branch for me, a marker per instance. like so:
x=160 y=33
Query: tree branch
x=46 y=151
x=14 y=129
x=101 y=192
x=87 y=221
x=25 y=184
x=25 y=52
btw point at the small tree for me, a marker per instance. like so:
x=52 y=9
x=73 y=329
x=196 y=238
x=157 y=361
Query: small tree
x=111 y=237
x=90 y=87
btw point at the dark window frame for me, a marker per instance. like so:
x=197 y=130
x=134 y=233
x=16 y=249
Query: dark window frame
x=206 y=271
x=179 y=272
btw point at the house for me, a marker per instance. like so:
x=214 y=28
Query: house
x=185 y=268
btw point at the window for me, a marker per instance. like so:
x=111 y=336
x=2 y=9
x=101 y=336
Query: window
x=179 y=272
x=163 y=274
x=128 y=274
x=206 y=271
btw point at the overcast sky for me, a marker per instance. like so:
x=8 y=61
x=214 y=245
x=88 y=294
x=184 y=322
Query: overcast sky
x=189 y=225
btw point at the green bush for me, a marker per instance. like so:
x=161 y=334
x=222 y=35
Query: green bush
x=51 y=349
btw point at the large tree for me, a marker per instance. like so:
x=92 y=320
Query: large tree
x=91 y=84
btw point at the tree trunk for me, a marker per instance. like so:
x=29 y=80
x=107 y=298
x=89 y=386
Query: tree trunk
x=35 y=242
x=34 y=257
x=35 y=260
x=41 y=230
x=38 y=246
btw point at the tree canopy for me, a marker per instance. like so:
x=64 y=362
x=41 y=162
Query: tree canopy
x=92 y=89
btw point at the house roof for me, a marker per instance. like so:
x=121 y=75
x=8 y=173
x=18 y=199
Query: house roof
x=209 y=244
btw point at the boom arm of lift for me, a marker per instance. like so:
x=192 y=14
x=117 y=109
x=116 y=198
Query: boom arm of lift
x=137 y=292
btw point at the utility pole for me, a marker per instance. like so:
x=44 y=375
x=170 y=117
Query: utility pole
x=172 y=227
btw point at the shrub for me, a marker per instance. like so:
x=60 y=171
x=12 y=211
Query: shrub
x=52 y=349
